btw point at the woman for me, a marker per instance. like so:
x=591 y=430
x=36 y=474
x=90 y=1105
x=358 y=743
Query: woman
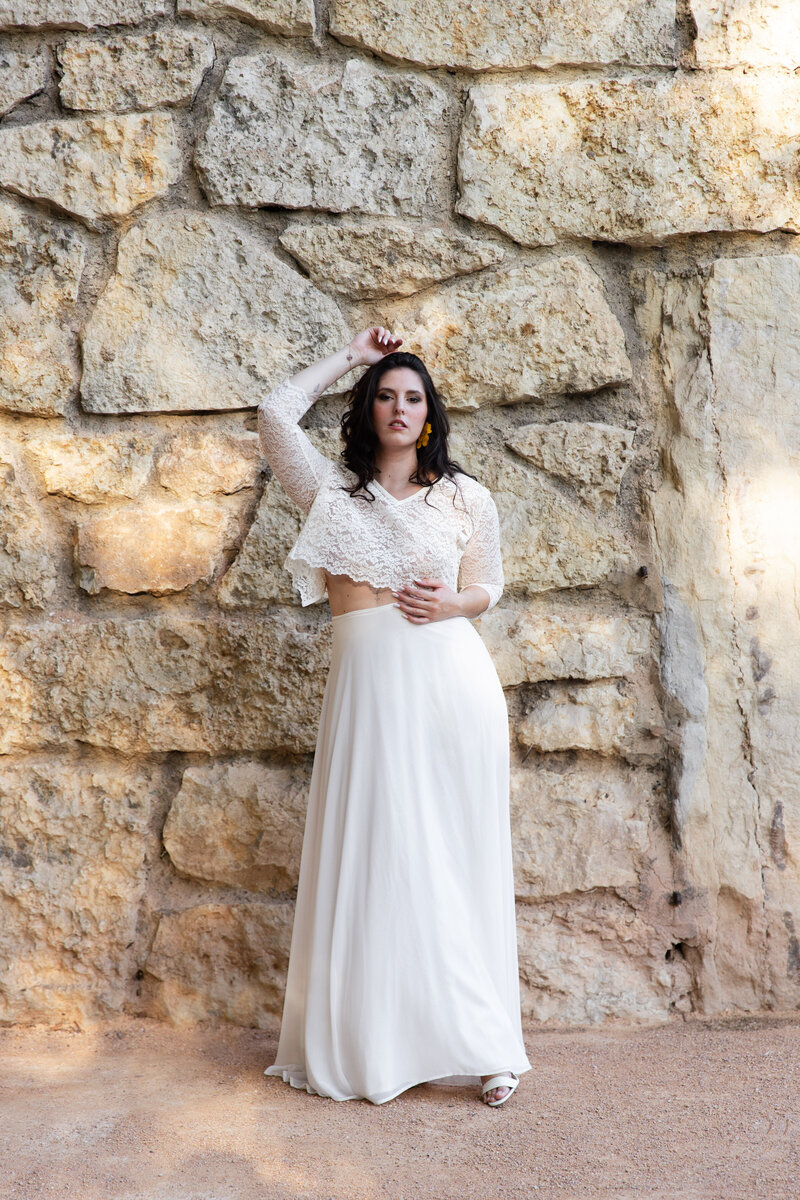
x=403 y=960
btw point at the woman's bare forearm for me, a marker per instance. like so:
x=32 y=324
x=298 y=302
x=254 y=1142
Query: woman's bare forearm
x=315 y=379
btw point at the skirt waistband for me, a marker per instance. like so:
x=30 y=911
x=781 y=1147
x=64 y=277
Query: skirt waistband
x=360 y=612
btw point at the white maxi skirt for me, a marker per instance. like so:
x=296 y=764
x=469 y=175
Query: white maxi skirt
x=403 y=961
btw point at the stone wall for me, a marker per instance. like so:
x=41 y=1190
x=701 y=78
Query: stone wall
x=583 y=216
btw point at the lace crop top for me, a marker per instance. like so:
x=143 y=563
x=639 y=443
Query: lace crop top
x=449 y=531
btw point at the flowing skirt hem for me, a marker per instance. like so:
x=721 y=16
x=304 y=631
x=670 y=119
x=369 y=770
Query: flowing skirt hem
x=296 y=1077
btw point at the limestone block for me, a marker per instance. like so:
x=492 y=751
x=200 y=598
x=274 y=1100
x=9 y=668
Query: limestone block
x=513 y=36
x=222 y=962
x=750 y=33
x=154 y=547
x=753 y=324
x=207 y=463
x=587 y=961
x=94 y=167
x=77 y=14
x=631 y=160
x=200 y=316
x=156 y=683
x=28 y=568
x=547 y=540
x=92 y=470
x=239 y=823
x=23 y=73
x=344 y=138
x=165 y=66
x=257 y=575
x=293 y=18
x=591 y=456
x=40 y=268
x=577 y=827
x=587 y=716
x=72 y=877
x=532 y=643
x=520 y=333
x=390 y=258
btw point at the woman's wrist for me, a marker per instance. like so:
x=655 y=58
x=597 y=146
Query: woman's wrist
x=352 y=356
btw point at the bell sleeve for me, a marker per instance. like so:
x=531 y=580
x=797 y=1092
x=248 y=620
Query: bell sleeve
x=482 y=561
x=296 y=463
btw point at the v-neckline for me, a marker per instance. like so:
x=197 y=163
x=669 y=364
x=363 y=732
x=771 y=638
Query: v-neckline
x=396 y=499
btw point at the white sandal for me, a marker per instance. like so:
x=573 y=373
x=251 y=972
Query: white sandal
x=508 y=1080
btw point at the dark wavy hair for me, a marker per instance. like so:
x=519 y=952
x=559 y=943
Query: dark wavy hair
x=361 y=440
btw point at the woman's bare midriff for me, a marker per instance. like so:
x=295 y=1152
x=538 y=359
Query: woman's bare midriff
x=345 y=595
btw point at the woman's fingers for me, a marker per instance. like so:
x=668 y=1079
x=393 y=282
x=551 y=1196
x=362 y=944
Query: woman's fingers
x=384 y=338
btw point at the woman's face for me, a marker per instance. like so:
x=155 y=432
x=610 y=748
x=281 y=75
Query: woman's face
x=400 y=408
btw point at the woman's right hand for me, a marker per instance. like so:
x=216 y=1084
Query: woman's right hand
x=373 y=344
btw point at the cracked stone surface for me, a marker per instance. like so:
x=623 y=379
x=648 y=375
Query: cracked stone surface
x=41 y=264
x=199 y=315
x=634 y=161
x=512 y=36
x=727 y=370
x=591 y=456
x=162 y=67
x=77 y=14
x=759 y=33
x=95 y=167
x=386 y=258
x=22 y=74
x=294 y=18
x=517 y=333
x=306 y=137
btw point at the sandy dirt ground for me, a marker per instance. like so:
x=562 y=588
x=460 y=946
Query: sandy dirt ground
x=139 y=1111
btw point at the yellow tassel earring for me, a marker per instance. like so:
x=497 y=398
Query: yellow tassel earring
x=422 y=440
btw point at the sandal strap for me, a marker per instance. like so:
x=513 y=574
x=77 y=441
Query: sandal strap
x=503 y=1080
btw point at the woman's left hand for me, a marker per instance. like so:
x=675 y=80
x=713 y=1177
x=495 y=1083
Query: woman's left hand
x=425 y=600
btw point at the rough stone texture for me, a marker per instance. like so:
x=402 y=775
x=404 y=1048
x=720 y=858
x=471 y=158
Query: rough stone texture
x=393 y=258
x=586 y=716
x=199 y=316
x=209 y=463
x=575 y=829
x=94 y=167
x=40 y=269
x=92 y=470
x=614 y=965
x=591 y=456
x=72 y=877
x=513 y=35
x=725 y=356
x=224 y=961
x=28 y=572
x=537 y=641
x=22 y=74
x=547 y=540
x=256 y=576
x=631 y=160
x=241 y=824
x=165 y=66
x=343 y=138
x=294 y=18
x=759 y=33
x=519 y=333
x=155 y=547
x=158 y=683
x=77 y=14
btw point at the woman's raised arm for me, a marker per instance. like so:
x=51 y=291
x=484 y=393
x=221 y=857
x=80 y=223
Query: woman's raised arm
x=294 y=460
